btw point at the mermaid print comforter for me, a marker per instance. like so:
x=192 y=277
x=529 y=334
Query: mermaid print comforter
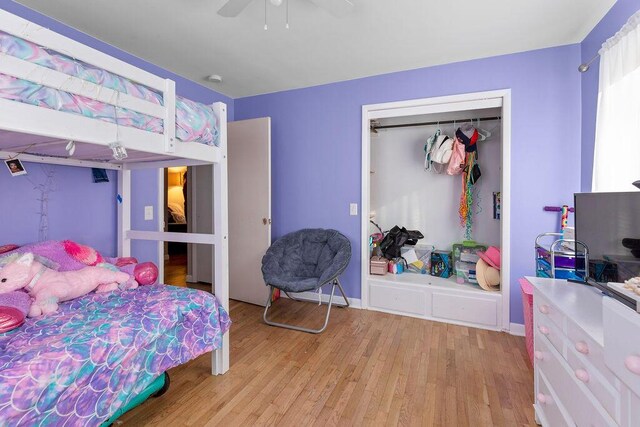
x=78 y=366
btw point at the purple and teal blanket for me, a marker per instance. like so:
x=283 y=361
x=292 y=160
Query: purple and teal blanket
x=81 y=364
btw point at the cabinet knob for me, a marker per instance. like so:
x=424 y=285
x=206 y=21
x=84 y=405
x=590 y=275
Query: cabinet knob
x=544 y=309
x=632 y=363
x=542 y=398
x=538 y=355
x=582 y=347
x=582 y=375
x=543 y=330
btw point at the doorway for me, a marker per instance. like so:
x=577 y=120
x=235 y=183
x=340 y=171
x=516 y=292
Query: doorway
x=176 y=221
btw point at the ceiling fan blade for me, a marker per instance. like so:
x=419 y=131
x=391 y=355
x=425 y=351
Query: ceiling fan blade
x=337 y=8
x=232 y=8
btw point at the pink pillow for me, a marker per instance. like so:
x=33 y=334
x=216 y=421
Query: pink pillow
x=8 y=248
x=10 y=318
x=84 y=254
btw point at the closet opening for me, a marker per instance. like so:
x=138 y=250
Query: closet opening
x=439 y=166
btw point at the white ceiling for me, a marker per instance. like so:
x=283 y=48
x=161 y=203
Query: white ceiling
x=379 y=36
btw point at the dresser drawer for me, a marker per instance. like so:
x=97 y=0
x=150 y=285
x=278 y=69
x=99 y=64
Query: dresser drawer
x=547 y=329
x=630 y=408
x=588 y=375
x=543 y=309
x=582 y=343
x=581 y=406
x=622 y=342
x=548 y=407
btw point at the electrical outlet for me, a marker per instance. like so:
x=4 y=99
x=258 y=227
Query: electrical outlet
x=148 y=213
x=353 y=209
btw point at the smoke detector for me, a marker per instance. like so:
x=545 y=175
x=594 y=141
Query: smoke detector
x=214 y=78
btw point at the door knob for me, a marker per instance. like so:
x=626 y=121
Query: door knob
x=266 y=221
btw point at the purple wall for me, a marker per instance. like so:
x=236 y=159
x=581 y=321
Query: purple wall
x=78 y=209
x=93 y=204
x=607 y=27
x=317 y=144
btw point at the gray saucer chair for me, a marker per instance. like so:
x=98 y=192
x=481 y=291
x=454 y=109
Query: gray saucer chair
x=306 y=260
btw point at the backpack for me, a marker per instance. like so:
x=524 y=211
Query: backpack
x=458 y=158
x=441 y=150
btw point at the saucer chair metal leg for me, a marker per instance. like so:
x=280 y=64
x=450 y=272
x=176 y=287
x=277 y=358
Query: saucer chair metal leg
x=300 y=328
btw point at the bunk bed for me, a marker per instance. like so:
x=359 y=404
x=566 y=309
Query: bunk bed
x=64 y=103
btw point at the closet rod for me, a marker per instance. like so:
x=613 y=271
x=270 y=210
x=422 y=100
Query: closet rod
x=441 y=122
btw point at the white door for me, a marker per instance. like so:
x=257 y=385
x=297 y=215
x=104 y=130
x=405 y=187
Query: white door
x=249 y=153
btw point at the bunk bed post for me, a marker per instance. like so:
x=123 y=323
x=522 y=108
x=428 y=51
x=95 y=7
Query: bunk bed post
x=169 y=98
x=220 y=357
x=124 y=211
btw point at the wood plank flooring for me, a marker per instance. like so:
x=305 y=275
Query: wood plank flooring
x=367 y=368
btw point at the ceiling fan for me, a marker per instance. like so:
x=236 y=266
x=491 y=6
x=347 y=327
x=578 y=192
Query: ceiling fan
x=233 y=8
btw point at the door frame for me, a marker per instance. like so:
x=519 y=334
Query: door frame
x=450 y=103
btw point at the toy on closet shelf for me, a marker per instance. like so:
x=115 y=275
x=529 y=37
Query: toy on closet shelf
x=465 y=257
x=48 y=287
x=441 y=264
x=418 y=258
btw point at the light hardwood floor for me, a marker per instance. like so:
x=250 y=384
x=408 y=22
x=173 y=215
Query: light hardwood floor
x=367 y=368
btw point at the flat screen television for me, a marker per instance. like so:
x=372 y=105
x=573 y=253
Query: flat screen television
x=609 y=225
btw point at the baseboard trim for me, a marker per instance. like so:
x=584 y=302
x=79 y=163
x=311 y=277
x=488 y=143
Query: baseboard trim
x=516 y=329
x=313 y=297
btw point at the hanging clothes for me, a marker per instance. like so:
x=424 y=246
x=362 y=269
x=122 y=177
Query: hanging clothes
x=470 y=177
x=427 y=149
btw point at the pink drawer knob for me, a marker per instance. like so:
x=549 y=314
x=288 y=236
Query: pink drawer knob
x=538 y=355
x=582 y=347
x=542 y=398
x=544 y=330
x=582 y=375
x=544 y=309
x=632 y=363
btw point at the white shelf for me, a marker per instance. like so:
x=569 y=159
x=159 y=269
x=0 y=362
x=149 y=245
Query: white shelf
x=430 y=281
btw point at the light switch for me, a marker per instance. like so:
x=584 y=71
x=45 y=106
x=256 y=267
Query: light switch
x=148 y=213
x=353 y=209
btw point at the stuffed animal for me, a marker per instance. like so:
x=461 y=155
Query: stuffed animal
x=48 y=287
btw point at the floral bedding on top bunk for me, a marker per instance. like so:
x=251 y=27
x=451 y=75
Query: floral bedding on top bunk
x=194 y=121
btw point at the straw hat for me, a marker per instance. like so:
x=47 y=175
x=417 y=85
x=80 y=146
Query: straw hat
x=488 y=277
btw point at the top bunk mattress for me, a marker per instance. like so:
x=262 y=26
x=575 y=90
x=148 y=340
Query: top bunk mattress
x=195 y=122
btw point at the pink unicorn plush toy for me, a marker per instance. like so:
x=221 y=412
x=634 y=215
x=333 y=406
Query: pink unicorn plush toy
x=49 y=287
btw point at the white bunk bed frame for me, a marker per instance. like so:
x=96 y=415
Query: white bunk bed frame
x=147 y=150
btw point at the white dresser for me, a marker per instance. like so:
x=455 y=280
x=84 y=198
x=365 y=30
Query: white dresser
x=587 y=357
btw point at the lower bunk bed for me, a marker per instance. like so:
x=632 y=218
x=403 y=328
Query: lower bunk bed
x=103 y=353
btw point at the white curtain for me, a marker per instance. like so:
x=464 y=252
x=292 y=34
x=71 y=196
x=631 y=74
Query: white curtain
x=617 y=149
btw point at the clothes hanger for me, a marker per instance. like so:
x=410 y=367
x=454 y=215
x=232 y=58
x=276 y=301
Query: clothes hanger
x=483 y=133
